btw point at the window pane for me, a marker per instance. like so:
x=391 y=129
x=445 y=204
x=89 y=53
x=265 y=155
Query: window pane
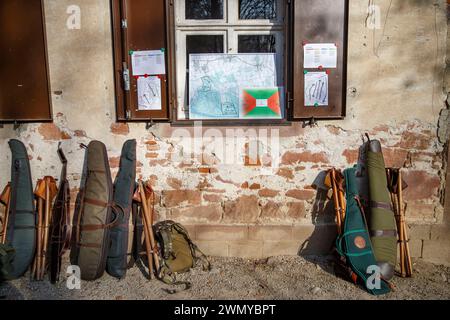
x=257 y=44
x=257 y=9
x=204 y=9
x=204 y=44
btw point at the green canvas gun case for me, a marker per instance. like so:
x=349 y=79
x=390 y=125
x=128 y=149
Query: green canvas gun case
x=354 y=244
x=124 y=187
x=383 y=228
x=21 y=229
x=94 y=214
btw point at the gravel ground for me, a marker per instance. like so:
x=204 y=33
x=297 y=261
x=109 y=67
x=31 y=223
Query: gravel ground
x=268 y=279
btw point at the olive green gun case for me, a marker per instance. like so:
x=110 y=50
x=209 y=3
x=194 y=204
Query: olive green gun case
x=124 y=186
x=21 y=229
x=93 y=218
x=383 y=229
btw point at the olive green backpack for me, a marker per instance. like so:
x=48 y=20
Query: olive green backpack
x=178 y=254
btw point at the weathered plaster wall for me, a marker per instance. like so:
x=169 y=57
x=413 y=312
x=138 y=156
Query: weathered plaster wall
x=395 y=92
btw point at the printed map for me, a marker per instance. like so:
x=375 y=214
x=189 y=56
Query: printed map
x=216 y=82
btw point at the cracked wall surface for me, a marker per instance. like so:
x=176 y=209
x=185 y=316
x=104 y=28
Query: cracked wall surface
x=395 y=93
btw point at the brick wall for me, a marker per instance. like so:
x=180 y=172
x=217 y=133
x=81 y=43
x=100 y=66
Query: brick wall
x=395 y=94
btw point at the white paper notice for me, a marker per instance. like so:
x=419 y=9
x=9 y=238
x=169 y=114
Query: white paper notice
x=316 y=89
x=320 y=55
x=148 y=63
x=149 y=93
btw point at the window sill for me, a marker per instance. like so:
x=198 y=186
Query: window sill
x=232 y=123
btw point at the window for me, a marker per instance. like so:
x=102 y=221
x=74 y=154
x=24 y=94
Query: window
x=225 y=27
x=237 y=62
x=24 y=84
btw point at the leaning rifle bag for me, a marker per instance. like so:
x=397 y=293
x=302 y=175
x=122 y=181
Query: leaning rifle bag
x=354 y=244
x=124 y=187
x=61 y=231
x=383 y=228
x=94 y=214
x=21 y=229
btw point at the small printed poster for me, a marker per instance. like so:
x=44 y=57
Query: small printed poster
x=261 y=103
x=320 y=55
x=316 y=89
x=149 y=93
x=148 y=63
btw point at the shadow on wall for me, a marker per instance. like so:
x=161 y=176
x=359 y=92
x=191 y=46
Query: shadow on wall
x=321 y=241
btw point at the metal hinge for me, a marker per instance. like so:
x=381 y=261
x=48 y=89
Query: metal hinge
x=124 y=24
x=126 y=77
x=128 y=115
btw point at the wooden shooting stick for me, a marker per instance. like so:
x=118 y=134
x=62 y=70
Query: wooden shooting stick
x=5 y=199
x=50 y=193
x=146 y=194
x=332 y=184
x=45 y=192
x=404 y=241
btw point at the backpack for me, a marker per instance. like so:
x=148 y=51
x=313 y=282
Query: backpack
x=7 y=255
x=178 y=254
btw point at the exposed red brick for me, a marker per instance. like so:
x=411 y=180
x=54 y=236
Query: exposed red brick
x=334 y=130
x=296 y=210
x=151 y=143
x=255 y=186
x=153 y=147
x=252 y=162
x=49 y=131
x=151 y=155
x=174 y=183
x=395 y=158
x=286 y=173
x=204 y=170
x=268 y=193
x=351 y=156
x=301 y=194
x=412 y=140
x=290 y=158
x=153 y=180
x=272 y=211
x=212 y=197
x=178 y=197
x=204 y=184
x=114 y=162
x=417 y=211
x=120 y=129
x=421 y=185
x=243 y=210
x=220 y=179
x=80 y=133
x=245 y=185
x=199 y=214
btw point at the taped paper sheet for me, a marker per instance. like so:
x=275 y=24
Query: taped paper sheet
x=316 y=89
x=149 y=93
x=320 y=55
x=148 y=63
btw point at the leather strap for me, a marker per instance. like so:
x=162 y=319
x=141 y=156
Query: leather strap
x=380 y=205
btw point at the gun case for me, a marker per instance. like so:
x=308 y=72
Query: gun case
x=21 y=229
x=60 y=231
x=124 y=187
x=383 y=229
x=93 y=219
x=354 y=244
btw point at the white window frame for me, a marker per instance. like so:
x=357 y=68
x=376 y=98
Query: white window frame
x=230 y=27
